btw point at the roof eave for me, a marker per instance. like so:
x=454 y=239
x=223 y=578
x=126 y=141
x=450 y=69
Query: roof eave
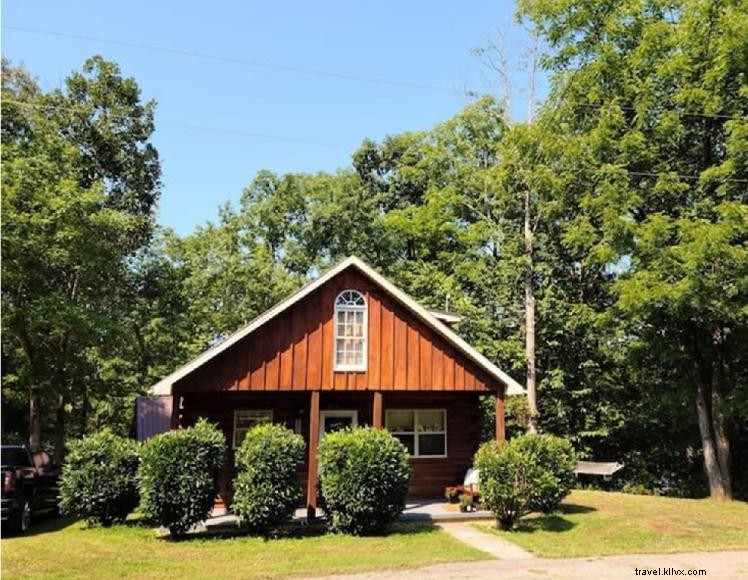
x=512 y=387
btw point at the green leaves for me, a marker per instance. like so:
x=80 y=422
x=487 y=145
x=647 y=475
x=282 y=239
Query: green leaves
x=100 y=479
x=80 y=181
x=530 y=473
x=266 y=488
x=179 y=476
x=364 y=475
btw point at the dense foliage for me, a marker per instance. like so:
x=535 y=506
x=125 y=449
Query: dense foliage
x=80 y=180
x=179 y=476
x=99 y=480
x=530 y=473
x=266 y=488
x=618 y=215
x=364 y=475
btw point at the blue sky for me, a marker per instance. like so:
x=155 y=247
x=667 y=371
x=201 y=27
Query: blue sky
x=319 y=121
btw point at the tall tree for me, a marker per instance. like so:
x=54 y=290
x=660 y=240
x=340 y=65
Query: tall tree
x=653 y=97
x=79 y=183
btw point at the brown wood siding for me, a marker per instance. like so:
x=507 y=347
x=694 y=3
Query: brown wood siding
x=294 y=351
x=430 y=475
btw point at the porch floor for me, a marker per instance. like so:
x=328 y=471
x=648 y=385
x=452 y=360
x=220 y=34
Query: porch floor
x=421 y=510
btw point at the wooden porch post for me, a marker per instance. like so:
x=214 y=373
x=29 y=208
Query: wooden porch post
x=500 y=426
x=376 y=413
x=176 y=404
x=311 y=484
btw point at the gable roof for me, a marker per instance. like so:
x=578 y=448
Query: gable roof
x=163 y=387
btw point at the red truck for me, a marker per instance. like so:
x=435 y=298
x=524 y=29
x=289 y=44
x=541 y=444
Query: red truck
x=30 y=486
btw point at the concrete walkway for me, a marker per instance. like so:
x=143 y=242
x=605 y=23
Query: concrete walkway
x=489 y=543
x=730 y=565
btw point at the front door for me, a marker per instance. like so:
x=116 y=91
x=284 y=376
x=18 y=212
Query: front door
x=331 y=421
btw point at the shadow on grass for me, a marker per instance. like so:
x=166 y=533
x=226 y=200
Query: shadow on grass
x=552 y=523
x=573 y=508
x=555 y=522
x=291 y=532
x=45 y=525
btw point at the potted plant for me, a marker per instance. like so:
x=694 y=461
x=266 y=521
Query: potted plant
x=452 y=494
x=466 y=502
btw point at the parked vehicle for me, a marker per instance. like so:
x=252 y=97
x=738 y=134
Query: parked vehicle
x=30 y=486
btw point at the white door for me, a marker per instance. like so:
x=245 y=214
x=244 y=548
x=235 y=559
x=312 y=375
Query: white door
x=331 y=421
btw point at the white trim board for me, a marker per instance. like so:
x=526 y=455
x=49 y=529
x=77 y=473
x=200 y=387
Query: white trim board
x=163 y=387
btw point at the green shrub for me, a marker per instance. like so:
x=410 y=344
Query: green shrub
x=364 y=475
x=530 y=473
x=179 y=476
x=100 y=478
x=556 y=455
x=266 y=488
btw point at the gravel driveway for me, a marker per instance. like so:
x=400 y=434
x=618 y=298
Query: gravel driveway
x=716 y=564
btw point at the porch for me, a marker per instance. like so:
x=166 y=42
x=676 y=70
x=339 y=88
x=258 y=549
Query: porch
x=432 y=510
x=442 y=431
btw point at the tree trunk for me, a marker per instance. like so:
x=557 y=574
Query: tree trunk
x=722 y=441
x=59 y=453
x=711 y=464
x=35 y=416
x=532 y=421
x=35 y=395
x=85 y=410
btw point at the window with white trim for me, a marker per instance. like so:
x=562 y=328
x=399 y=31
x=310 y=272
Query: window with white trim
x=244 y=420
x=350 y=331
x=422 y=431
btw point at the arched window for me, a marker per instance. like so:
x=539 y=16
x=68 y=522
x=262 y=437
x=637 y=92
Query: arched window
x=350 y=331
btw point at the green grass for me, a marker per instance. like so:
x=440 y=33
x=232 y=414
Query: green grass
x=66 y=549
x=596 y=523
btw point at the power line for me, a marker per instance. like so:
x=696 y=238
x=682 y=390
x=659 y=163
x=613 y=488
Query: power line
x=683 y=113
x=238 y=60
x=651 y=174
x=256 y=135
x=238 y=132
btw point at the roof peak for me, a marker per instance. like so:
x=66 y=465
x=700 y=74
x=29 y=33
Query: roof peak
x=163 y=387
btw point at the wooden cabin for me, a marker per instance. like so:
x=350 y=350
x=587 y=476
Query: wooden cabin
x=349 y=348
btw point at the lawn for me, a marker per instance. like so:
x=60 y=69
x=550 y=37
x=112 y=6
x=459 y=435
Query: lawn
x=66 y=549
x=596 y=523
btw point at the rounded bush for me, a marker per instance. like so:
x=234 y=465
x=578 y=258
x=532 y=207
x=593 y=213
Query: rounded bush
x=556 y=455
x=530 y=473
x=179 y=476
x=364 y=475
x=99 y=480
x=266 y=488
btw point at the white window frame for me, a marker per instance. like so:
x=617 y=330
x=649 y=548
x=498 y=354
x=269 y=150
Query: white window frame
x=337 y=366
x=264 y=412
x=416 y=434
x=352 y=414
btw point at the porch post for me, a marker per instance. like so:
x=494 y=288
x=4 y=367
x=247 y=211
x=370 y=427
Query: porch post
x=176 y=404
x=500 y=426
x=311 y=484
x=376 y=413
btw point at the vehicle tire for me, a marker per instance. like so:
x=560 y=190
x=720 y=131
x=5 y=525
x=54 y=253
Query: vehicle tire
x=23 y=521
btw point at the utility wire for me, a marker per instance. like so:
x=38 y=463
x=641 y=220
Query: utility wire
x=242 y=61
x=316 y=72
x=238 y=132
x=649 y=173
x=256 y=135
x=676 y=111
